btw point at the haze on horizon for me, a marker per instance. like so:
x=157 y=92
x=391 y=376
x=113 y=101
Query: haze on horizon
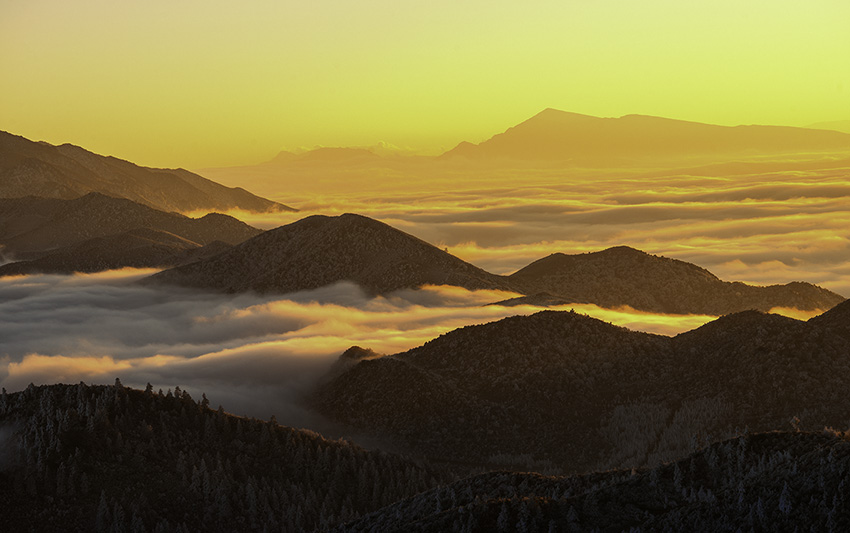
x=199 y=84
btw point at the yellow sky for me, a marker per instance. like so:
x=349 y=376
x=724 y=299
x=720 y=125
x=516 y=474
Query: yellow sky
x=207 y=83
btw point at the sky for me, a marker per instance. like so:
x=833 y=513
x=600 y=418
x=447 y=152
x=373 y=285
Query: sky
x=208 y=83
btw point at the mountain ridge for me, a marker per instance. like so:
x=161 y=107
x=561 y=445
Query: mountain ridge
x=319 y=250
x=560 y=135
x=560 y=388
x=68 y=171
x=32 y=226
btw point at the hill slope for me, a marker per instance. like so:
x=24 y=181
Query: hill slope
x=762 y=482
x=138 y=248
x=320 y=250
x=30 y=168
x=559 y=135
x=98 y=458
x=625 y=276
x=30 y=226
x=586 y=395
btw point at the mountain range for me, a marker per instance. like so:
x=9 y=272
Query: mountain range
x=559 y=135
x=320 y=250
x=112 y=458
x=559 y=390
x=31 y=227
x=30 y=168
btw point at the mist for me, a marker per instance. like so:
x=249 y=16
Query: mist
x=254 y=355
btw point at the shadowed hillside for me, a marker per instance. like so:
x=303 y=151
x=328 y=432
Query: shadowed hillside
x=320 y=250
x=625 y=276
x=30 y=168
x=561 y=390
x=762 y=482
x=108 y=458
x=30 y=226
x=138 y=248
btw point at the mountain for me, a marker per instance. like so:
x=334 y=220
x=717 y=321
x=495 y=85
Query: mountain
x=835 y=125
x=761 y=482
x=559 y=135
x=138 y=248
x=110 y=458
x=624 y=276
x=30 y=168
x=319 y=250
x=30 y=227
x=559 y=391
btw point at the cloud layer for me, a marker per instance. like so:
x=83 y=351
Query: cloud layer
x=761 y=221
x=253 y=354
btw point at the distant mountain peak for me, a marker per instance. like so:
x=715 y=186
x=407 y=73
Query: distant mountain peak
x=560 y=135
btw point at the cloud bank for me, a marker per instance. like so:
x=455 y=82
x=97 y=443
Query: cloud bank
x=255 y=355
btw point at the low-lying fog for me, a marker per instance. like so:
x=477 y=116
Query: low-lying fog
x=255 y=355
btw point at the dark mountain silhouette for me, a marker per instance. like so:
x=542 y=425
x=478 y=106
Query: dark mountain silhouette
x=320 y=250
x=30 y=168
x=625 y=276
x=30 y=227
x=138 y=248
x=835 y=125
x=109 y=458
x=559 y=135
x=761 y=482
x=559 y=390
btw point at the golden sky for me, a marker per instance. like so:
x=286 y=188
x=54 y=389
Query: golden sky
x=207 y=83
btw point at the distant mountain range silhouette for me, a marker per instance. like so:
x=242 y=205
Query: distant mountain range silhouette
x=30 y=168
x=559 y=135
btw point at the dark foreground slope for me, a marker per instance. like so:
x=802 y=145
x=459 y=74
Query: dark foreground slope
x=565 y=391
x=321 y=250
x=98 y=458
x=762 y=482
x=31 y=227
x=30 y=168
x=623 y=276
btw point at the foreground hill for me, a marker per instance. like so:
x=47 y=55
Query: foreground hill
x=321 y=250
x=565 y=391
x=559 y=135
x=98 y=458
x=30 y=168
x=763 y=482
x=138 y=248
x=31 y=226
x=624 y=276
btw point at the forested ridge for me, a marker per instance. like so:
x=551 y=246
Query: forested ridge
x=761 y=482
x=110 y=458
x=562 y=392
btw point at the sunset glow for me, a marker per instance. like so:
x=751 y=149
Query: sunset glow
x=200 y=84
